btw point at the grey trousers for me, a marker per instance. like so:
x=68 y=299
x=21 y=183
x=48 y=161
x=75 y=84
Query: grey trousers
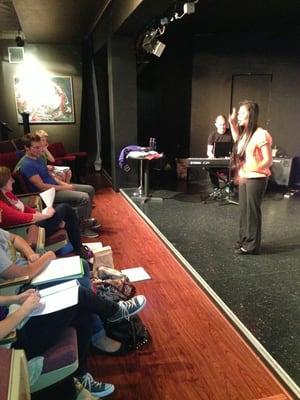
x=79 y=199
x=251 y=193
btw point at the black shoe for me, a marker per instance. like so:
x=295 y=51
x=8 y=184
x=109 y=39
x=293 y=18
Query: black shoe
x=237 y=245
x=96 y=228
x=90 y=223
x=87 y=223
x=243 y=251
x=122 y=350
x=87 y=232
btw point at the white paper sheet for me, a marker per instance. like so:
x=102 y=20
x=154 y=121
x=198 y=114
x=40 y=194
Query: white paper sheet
x=58 y=168
x=136 y=274
x=48 y=197
x=58 y=297
x=60 y=268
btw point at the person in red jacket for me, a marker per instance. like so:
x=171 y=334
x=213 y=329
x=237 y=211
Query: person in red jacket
x=15 y=212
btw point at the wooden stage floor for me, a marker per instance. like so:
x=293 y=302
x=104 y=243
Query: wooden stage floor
x=196 y=353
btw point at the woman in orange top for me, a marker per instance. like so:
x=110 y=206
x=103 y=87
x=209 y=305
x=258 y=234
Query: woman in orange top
x=253 y=158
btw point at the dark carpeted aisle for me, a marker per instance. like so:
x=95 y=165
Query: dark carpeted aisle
x=262 y=290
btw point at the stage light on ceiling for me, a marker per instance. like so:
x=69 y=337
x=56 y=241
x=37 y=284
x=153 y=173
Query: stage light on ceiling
x=20 y=40
x=149 y=41
x=151 y=44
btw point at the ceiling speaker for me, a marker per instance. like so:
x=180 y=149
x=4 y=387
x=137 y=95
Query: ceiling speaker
x=16 y=54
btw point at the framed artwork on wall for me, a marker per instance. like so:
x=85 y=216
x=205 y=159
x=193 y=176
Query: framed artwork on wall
x=48 y=100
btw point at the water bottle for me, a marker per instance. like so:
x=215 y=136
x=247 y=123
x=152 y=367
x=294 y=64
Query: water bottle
x=150 y=143
x=154 y=144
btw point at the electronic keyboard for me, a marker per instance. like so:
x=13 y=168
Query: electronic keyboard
x=209 y=162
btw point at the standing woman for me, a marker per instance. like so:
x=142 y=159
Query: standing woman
x=253 y=158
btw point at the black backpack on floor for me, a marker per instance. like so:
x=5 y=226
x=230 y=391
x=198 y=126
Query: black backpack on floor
x=131 y=333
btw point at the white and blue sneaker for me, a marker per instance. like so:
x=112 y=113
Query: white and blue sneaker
x=95 y=388
x=128 y=308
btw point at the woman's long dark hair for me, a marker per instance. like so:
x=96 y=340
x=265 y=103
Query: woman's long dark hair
x=253 y=111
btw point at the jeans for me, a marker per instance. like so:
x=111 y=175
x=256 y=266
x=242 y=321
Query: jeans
x=80 y=199
x=97 y=328
x=64 y=212
x=42 y=332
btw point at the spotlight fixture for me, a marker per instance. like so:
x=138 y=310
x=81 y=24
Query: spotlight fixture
x=19 y=40
x=149 y=39
x=151 y=44
x=158 y=48
x=189 y=8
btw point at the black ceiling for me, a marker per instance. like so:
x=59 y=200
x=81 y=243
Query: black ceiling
x=241 y=16
x=62 y=21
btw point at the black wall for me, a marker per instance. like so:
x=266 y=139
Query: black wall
x=164 y=98
x=180 y=94
x=218 y=57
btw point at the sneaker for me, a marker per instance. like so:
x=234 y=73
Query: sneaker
x=89 y=222
x=96 y=228
x=82 y=393
x=95 y=388
x=243 y=251
x=237 y=245
x=85 y=252
x=88 y=233
x=128 y=308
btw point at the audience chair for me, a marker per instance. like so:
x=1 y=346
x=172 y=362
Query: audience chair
x=7 y=146
x=32 y=200
x=60 y=362
x=60 y=155
x=55 y=381
x=76 y=158
x=35 y=236
x=21 y=185
x=9 y=159
x=18 y=143
x=14 y=380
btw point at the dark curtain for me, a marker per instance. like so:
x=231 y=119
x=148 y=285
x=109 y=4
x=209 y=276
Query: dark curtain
x=88 y=139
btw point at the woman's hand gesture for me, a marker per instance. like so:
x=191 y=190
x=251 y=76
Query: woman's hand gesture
x=234 y=127
x=232 y=118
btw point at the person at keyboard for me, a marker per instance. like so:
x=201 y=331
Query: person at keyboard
x=221 y=134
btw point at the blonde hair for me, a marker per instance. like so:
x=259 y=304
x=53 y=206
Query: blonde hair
x=41 y=133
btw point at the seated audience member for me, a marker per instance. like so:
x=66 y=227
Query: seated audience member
x=221 y=134
x=64 y=176
x=38 y=179
x=38 y=334
x=15 y=212
x=17 y=259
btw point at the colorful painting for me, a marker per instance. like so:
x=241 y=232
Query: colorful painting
x=48 y=101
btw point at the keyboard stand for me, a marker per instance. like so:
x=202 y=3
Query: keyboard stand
x=227 y=200
x=224 y=193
